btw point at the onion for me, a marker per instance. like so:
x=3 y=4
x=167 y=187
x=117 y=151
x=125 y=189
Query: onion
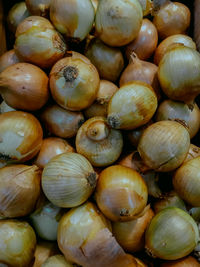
x=43 y=251
x=194 y=152
x=9 y=58
x=74 y=82
x=38 y=7
x=146 y=41
x=24 y=86
x=184 y=262
x=5 y=108
x=108 y=60
x=58 y=261
x=195 y=213
x=117 y=22
x=196 y=23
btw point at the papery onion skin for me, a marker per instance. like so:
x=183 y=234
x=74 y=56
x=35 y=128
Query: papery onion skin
x=24 y=86
x=117 y=22
x=74 y=82
x=108 y=60
x=19 y=242
x=38 y=7
x=184 y=262
x=9 y=58
x=61 y=122
x=172 y=234
x=73 y=18
x=121 y=193
x=68 y=180
x=5 y=108
x=146 y=41
x=194 y=152
x=58 y=261
x=186 y=182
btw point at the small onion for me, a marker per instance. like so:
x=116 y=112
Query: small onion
x=43 y=251
x=58 y=261
x=169 y=42
x=100 y=144
x=172 y=234
x=186 y=182
x=9 y=58
x=132 y=106
x=108 y=60
x=121 y=193
x=61 y=122
x=68 y=180
x=24 y=86
x=38 y=7
x=184 y=262
x=194 y=152
x=18 y=243
x=118 y=22
x=164 y=145
x=146 y=41
x=5 y=108
x=39 y=44
x=21 y=136
x=74 y=82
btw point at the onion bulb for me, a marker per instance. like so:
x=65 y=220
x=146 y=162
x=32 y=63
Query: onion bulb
x=68 y=180
x=24 y=86
x=164 y=145
x=5 y=108
x=194 y=152
x=132 y=106
x=39 y=44
x=38 y=7
x=121 y=193
x=21 y=137
x=18 y=243
x=196 y=23
x=58 y=261
x=74 y=82
x=184 y=262
x=118 y=22
x=186 y=182
x=146 y=41
x=73 y=18
x=9 y=58
x=100 y=144
x=172 y=234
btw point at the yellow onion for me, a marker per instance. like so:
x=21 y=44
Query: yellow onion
x=100 y=144
x=172 y=234
x=19 y=190
x=24 y=86
x=38 y=7
x=194 y=152
x=21 y=136
x=99 y=107
x=61 y=122
x=195 y=213
x=184 y=262
x=85 y=238
x=171 y=18
x=164 y=145
x=5 y=108
x=146 y=41
x=68 y=180
x=9 y=58
x=74 y=82
x=169 y=42
x=121 y=193
x=50 y=148
x=39 y=44
x=16 y=15
x=118 y=22
x=179 y=74
x=58 y=261
x=196 y=23
x=132 y=106
x=108 y=60
x=130 y=235
x=73 y=18
x=186 y=182
x=180 y=112
x=18 y=242
x=146 y=6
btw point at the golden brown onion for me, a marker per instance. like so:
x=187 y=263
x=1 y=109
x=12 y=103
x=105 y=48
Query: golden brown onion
x=24 y=86
x=194 y=152
x=5 y=108
x=74 y=82
x=121 y=193
x=146 y=41
x=61 y=122
x=43 y=251
x=184 y=262
x=9 y=58
x=38 y=7
x=58 y=261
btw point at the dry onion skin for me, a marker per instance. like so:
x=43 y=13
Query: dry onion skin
x=108 y=60
x=164 y=145
x=121 y=193
x=43 y=251
x=58 y=261
x=9 y=58
x=18 y=243
x=100 y=144
x=74 y=82
x=61 y=122
x=171 y=235
x=24 y=86
x=132 y=106
x=146 y=41
x=186 y=182
x=184 y=262
x=73 y=18
x=194 y=152
x=21 y=137
x=118 y=22
x=39 y=44
x=68 y=180
x=5 y=108
x=38 y=7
